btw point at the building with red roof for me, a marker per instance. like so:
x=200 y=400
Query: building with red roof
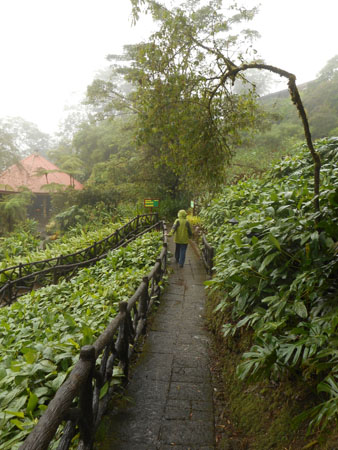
x=35 y=173
x=41 y=177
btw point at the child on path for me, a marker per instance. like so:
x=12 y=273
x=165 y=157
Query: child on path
x=182 y=232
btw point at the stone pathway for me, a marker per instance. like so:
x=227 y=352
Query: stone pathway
x=170 y=392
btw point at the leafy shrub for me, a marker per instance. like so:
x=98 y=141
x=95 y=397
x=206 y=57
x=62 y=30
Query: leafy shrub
x=22 y=240
x=41 y=334
x=194 y=220
x=13 y=209
x=70 y=217
x=169 y=206
x=278 y=267
x=90 y=196
x=76 y=238
x=125 y=210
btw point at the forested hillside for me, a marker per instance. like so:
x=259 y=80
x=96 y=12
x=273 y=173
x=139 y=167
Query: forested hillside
x=281 y=129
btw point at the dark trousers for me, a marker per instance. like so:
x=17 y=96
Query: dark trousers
x=180 y=252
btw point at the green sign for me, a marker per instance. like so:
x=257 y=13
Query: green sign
x=151 y=203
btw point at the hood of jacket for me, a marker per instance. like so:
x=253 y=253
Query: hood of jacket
x=182 y=214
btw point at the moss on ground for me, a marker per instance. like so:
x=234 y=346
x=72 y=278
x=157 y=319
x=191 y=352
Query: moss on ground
x=256 y=415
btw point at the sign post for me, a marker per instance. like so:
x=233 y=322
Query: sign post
x=151 y=203
x=192 y=205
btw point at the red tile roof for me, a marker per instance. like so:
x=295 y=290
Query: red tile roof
x=24 y=174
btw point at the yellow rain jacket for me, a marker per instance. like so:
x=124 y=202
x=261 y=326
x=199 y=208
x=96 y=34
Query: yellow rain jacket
x=181 y=228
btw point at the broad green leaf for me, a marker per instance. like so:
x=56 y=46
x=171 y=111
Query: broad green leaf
x=17 y=423
x=31 y=356
x=300 y=309
x=104 y=390
x=19 y=414
x=238 y=240
x=274 y=241
x=267 y=260
x=32 y=402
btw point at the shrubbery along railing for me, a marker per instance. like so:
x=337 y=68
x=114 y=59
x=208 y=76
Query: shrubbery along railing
x=25 y=277
x=83 y=398
x=208 y=254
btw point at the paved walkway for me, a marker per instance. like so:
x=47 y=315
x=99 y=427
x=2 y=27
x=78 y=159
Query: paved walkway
x=170 y=390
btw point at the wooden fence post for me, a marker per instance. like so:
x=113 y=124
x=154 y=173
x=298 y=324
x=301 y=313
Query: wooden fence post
x=143 y=309
x=122 y=344
x=10 y=291
x=165 y=245
x=87 y=353
x=212 y=254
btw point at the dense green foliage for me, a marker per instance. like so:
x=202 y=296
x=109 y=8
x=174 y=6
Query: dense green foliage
x=41 y=334
x=19 y=138
x=187 y=117
x=13 y=210
x=75 y=239
x=162 y=122
x=21 y=241
x=277 y=269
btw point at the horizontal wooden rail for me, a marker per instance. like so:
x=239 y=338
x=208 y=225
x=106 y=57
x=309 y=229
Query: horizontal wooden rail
x=77 y=404
x=26 y=277
x=103 y=245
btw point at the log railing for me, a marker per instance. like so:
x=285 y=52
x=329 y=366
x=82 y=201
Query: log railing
x=208 y=254
x=77 y=404
x=25 y=277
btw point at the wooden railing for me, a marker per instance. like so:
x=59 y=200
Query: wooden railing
x=23 y=278
x=77 y=404
x=208 y=254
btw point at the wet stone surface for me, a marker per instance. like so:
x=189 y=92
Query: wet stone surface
x=170 y=394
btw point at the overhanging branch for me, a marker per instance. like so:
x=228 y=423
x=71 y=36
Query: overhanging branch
x=296 y=99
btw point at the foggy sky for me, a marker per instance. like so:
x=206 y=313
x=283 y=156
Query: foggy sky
x=52 y=49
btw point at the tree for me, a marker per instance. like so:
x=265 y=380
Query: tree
x=106 y=96
x=25 y=136
x=73 y=166
x=63 y=148
x=173 y=76
x=135 y=171
x=13 y=209
x=40 y=172
x=9 y=154
x=195 y=34
x=330 y=70
x=19 y=138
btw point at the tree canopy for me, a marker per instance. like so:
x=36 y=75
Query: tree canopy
x=19 y=138
x=187 y=117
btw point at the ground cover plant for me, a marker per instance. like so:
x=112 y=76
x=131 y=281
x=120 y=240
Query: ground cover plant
x=21 y=241
x=276 y=275
x=77 y=238
x=41 y=334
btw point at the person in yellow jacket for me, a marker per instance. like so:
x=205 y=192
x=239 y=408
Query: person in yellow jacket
x=182 y=232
